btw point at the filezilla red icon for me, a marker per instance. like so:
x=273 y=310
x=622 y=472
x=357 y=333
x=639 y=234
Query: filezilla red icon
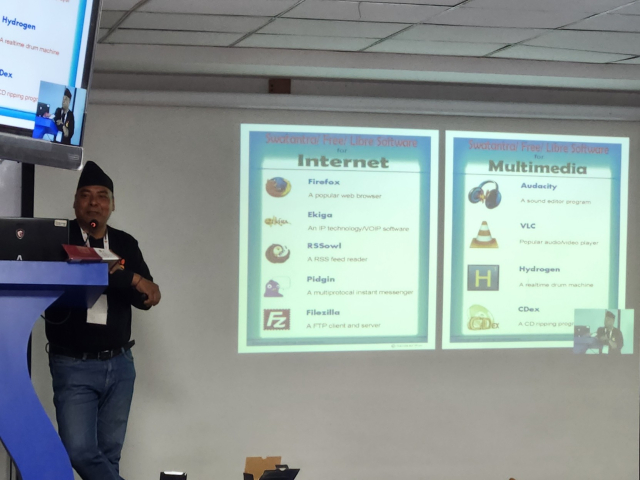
x=277 y=319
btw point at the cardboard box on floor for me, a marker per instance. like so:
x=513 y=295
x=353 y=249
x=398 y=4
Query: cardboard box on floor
x=254 y=467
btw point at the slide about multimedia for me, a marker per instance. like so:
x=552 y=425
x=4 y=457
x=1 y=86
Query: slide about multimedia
x=535 y=228
x=338 y=238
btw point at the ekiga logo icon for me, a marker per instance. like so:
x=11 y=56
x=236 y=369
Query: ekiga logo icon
x=278 y=187
x=277 y=319
x=276 y=221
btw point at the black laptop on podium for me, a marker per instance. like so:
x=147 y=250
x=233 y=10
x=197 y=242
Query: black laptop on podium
x=33 y=239
x=42 y=109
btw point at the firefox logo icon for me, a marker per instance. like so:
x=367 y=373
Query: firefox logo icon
x=278 y=187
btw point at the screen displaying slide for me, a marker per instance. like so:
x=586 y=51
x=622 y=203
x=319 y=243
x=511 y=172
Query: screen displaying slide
x=338 y=232
x=40 y=40
x=535 y=230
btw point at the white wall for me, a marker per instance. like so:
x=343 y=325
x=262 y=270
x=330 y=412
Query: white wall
x=201 y=407
x=10 y=188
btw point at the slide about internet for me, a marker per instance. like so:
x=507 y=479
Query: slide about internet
x=338 y=231
x=535 y=229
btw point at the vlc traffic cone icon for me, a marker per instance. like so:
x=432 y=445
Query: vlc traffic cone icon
x=484 y=238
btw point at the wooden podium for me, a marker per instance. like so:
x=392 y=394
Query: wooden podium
x=26 y=290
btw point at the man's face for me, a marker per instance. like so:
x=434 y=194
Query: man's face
x=65 y=102
x=94 y=202
x=608 y=322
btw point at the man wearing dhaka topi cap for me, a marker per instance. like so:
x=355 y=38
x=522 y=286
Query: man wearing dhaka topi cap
x=610 y=337
x=64 y=119
x=90 y=350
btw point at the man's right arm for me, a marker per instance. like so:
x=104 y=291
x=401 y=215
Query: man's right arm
x=147 y=288
x=142 y=281
x=619 y=340
x=57 y=118
x=135 y=277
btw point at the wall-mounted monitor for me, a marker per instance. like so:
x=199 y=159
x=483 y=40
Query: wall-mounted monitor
x=46 y=53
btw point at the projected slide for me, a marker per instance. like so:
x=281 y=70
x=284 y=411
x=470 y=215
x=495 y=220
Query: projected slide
x=535 y=228
x=337 y=238
x=40 y=40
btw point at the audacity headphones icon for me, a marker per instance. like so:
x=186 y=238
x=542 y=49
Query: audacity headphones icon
x=490 y=197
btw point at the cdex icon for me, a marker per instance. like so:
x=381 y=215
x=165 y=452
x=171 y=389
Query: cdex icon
x=480 y=318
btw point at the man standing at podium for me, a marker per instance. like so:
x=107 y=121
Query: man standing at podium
x=90 y=350
x=610 y=337
x=65 y=120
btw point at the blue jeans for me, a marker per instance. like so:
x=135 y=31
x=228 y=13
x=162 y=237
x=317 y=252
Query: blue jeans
x=92 y=400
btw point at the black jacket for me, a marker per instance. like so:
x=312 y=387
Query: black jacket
x=70 y=330
x=616 y=336
x=70 y=123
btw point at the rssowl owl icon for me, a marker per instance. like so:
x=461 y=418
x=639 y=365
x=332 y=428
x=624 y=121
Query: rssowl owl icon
x=277 y=253
x=278 y=187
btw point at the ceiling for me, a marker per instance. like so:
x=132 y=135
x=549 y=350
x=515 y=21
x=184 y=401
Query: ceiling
x=557 y=43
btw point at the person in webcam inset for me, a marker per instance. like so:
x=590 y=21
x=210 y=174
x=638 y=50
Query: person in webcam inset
x=64 y=119
x=610 y=337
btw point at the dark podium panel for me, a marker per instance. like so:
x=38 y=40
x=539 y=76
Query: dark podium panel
x=26 y=290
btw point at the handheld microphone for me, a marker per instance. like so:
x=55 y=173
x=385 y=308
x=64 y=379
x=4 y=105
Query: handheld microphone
x=93 y=223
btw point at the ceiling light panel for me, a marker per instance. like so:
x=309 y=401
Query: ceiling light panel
x=591 y=6
x=199 y=23
x=557 y=54
x=328 y=28
x=299 y=42
x=364 y=11
x=446 y=33
x=608 y=42
x=435 y=48
x=507 y=17
x=612 y=23
x=259 y=8
x=388 y=12
x=162 y=37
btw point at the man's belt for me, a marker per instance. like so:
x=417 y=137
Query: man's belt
x=103 y=355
